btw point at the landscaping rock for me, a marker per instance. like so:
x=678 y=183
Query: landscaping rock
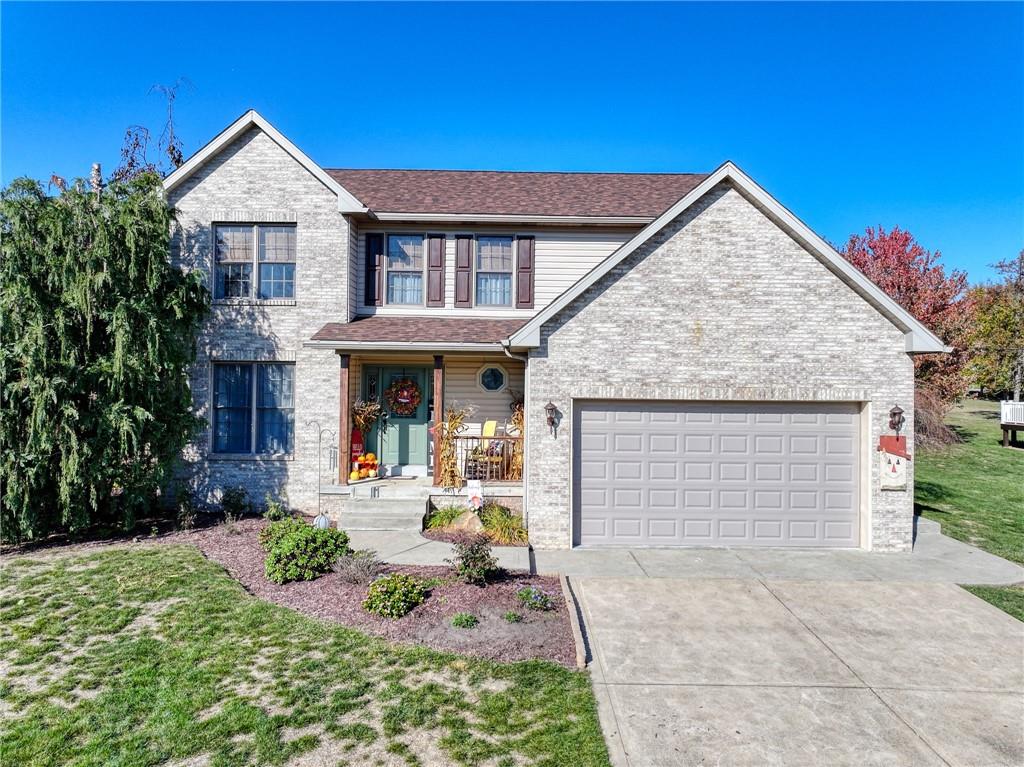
x=467 y=522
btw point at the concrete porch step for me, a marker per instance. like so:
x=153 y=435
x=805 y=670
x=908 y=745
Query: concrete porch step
x=382 y=514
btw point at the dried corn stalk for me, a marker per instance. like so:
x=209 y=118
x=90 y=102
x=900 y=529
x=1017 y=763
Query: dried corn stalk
x=454 y=423
x=516 y=423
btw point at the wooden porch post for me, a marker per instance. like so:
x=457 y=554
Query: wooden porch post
x=344 y=427
x=438 y=414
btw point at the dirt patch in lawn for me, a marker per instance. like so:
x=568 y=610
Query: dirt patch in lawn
x=539 y=634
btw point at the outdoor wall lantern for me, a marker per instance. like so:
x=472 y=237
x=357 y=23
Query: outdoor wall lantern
x=896 y=419
x=551 y=413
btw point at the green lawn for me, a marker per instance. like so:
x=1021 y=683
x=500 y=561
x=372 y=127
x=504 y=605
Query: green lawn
x=975 y=490
x=150 y=655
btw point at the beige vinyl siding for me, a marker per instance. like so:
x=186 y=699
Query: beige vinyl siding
x=355 y=269
x=562 y=257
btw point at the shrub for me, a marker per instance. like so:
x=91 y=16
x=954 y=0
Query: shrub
x=534 y=598
x=394 y=595
x=443 y=517
x=513 y=617
x=187 y=511
x=234 y=502
x=464 y=620
x=300 y=552
x=358 y=567
x=502 y=525
x=473 y=561
x=275 y=511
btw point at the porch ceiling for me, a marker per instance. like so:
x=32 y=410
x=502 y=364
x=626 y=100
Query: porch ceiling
x=379 y=331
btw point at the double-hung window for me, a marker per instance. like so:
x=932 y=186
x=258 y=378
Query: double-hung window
x=255 y=261
x=405 y=269
x=494 y=271
x=253 y=407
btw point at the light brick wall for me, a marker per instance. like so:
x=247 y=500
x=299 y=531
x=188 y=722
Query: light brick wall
x=721 y=305
x=253 y=180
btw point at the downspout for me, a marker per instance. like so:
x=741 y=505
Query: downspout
x=526 y=456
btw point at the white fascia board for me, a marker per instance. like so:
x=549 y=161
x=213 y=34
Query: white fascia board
x=489 y=218
x=347 y=203
x=403 y=346
x=919 y=339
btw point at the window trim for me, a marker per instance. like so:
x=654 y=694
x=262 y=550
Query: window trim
x=387 y=268
x=512 y=273
x=480 y=374
x=254 y=262
x=252 y=454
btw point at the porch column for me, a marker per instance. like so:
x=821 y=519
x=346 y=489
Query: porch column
x=438 y=414
x=344 y=427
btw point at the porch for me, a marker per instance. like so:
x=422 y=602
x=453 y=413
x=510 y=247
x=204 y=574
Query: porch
x=413 y=383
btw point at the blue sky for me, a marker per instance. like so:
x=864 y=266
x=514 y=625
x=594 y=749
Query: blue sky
x=852 y=115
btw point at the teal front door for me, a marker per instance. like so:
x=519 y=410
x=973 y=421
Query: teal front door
x=402 y=438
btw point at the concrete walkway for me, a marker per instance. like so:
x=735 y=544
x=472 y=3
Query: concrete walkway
x=748 y=672
x=935 y=558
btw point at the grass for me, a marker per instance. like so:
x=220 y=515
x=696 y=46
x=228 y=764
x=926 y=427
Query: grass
x=975 y=490
x=146 y=655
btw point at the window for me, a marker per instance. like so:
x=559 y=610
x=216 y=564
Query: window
x=268 y=252
x=405 y=269
x=253 y=405
x=492 y=378
x=494 y=271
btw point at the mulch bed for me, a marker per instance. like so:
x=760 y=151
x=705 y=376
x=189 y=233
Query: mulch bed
x=540 y=634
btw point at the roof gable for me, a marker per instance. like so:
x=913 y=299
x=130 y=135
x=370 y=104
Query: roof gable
x=347 y=202
x=918 y=338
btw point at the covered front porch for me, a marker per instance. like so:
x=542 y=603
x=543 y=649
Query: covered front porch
x=468 y=385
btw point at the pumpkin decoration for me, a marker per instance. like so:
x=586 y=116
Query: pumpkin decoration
x=403 y=397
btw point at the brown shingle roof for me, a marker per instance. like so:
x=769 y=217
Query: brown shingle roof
x=516 y=193
x=440 y=330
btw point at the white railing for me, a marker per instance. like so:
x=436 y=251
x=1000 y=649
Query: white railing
x=1011 y=412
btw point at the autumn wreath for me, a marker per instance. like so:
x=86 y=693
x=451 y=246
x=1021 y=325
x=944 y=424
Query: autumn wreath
x=403 y=397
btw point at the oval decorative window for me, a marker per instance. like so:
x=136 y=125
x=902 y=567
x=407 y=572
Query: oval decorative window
x=492 y=378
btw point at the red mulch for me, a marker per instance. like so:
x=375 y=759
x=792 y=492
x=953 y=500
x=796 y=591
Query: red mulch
x=546 y=635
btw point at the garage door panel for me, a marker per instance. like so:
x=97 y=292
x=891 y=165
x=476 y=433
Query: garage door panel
x=717 y=473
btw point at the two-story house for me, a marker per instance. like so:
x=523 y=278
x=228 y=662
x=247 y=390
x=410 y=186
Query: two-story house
x=694 y=365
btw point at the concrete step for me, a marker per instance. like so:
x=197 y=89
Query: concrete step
x=380 y=522
x=408 y=489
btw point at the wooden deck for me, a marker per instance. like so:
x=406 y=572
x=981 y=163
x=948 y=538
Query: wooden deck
x=1011 y=420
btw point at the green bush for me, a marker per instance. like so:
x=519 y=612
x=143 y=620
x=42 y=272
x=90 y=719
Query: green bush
x=443 y=517
x=235 y=503
x=513 y=617
x=464 y=620
x=473 y=561
x=297 y=551
x=503 y=526
x=275 y=511
x=534 y=598
x=394 y=595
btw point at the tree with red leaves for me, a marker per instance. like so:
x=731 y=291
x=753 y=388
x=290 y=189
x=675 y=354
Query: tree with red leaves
x=917 y=281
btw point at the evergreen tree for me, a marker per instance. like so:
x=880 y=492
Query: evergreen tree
x=98 y=332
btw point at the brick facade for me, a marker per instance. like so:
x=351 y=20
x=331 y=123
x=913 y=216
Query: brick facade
x=722 y=304
x=254 y=180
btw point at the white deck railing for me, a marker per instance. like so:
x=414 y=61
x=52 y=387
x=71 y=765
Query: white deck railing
x=1011 y=412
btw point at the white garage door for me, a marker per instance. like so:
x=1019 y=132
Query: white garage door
x=716 y=474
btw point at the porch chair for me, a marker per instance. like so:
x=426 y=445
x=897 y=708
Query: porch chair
x=487 y=461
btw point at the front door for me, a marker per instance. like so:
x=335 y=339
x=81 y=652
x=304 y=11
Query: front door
x=402 y=436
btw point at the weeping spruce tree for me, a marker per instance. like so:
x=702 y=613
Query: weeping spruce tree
x=98 y=330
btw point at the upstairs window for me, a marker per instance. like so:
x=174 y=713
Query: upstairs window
x=263 y=252
x=405 y=269
x=494 y=271
x=253 y=408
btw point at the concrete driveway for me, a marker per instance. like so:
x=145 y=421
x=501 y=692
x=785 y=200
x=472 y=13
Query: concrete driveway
x=761 y=672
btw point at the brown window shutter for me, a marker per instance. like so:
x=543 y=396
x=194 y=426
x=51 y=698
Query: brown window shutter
x=524 y=272
x=435 y=270
x=463 y=271
x=373 y=277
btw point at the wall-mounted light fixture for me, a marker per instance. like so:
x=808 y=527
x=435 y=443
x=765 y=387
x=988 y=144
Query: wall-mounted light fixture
x=896 y=419
x=551 y=413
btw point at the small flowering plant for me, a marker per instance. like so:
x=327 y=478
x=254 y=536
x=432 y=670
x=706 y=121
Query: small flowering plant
x=534 y=598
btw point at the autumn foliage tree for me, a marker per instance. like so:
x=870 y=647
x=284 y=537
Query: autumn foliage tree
x=997 y=338
x=917 y=281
